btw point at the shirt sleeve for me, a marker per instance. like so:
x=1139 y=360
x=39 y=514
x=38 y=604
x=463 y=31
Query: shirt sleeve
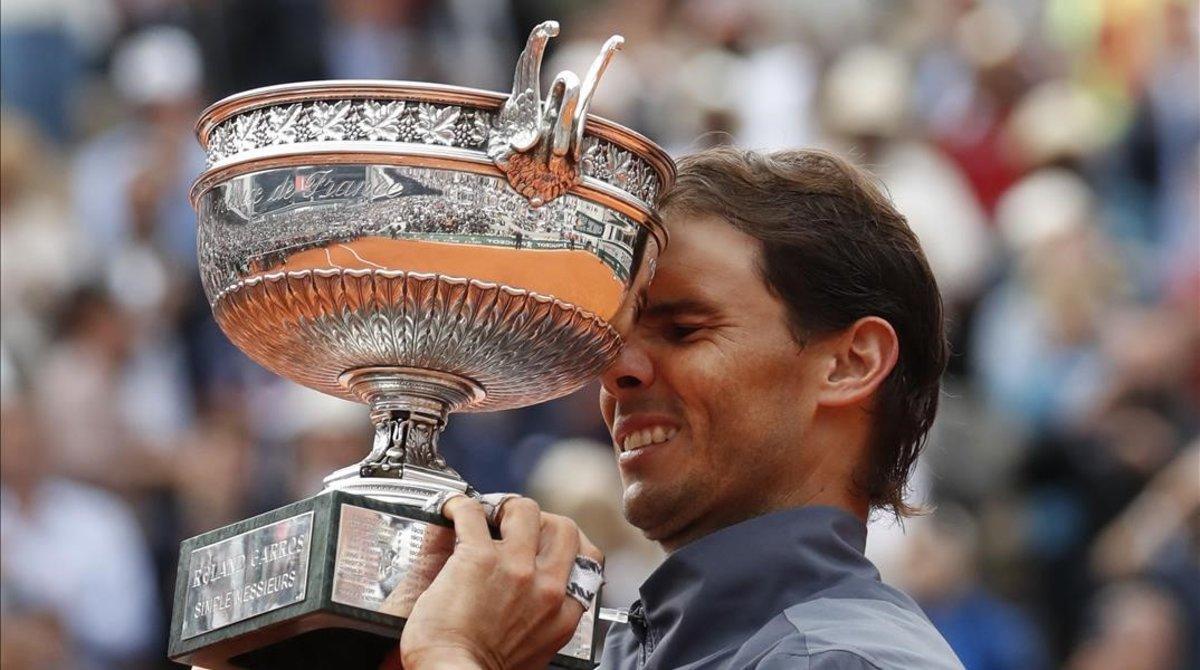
x=825 y=660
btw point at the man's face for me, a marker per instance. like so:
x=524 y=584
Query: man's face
x=711 y=397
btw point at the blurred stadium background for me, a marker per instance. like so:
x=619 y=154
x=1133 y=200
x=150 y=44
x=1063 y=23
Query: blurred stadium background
x=1046 y=153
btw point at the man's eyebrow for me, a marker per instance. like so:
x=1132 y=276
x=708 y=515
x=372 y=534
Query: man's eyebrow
x=682 y=306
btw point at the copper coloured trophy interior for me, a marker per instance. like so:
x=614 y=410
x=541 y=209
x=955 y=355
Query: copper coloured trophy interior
x=444 y=270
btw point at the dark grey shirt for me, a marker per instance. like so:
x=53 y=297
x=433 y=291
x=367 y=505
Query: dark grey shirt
x=790 y=589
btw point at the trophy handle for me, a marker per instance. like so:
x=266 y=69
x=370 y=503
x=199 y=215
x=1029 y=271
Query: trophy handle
x=538 y=143
x=590 y=80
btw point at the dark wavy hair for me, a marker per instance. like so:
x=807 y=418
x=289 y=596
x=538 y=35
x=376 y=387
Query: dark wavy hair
x=834 y=250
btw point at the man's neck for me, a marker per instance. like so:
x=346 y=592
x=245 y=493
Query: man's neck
x=858 y=506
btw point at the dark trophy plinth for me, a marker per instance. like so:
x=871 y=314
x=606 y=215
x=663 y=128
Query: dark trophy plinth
x=325 y=582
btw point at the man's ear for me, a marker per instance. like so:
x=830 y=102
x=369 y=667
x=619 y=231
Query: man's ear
x=860 y=358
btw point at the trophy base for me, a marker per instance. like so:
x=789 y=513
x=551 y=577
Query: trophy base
x=323 y=582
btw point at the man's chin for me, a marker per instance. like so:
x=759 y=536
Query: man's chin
x=655 y=515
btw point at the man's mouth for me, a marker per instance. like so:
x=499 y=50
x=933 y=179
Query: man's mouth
x=644 y=437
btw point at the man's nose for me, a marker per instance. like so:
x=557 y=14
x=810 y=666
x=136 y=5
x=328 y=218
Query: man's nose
x=633 y=369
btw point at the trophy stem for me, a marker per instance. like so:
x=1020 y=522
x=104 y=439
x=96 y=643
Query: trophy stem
x=409 y=407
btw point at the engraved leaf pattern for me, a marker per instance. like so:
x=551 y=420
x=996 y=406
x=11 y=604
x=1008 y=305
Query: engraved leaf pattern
x=609 y=163
x=381 y=120
x=643 y=183
x=329 y=119
x=436 y=124
x=650 y=193
x=618 y=164
x=284 y=123
x=244 y=134
x=217 y=140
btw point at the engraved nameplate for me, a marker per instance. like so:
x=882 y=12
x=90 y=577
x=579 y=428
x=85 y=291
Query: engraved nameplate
x=246 y=575
x=385 y=561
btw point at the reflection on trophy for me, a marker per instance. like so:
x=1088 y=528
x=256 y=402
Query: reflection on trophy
x=422 y=249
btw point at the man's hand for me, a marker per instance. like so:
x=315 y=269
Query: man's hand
x=498 y=604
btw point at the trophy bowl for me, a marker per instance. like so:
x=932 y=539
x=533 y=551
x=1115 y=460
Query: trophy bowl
x=423 y=249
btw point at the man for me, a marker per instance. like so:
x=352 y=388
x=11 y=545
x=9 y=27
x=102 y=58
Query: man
x=775 y=386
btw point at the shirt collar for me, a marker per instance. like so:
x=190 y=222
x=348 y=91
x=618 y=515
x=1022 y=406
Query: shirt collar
x=738 y=578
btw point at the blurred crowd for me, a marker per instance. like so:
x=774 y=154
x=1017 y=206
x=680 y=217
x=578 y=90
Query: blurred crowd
x=1046 y=152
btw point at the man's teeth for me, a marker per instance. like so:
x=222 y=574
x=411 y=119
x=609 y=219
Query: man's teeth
x=647 y=436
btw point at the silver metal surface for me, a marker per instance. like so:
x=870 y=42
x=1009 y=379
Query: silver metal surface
x=426 y=249
x=384 y=561
x=537 y=142
x=246 y=575
x=614 y=614
x=582 y=641
x=314 y=271
x=406 y=118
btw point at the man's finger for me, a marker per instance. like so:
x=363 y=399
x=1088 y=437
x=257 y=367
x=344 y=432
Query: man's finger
x=568 y=617
x=559 y=546
x=520 y=524
x=470 y=521
x=586 y=548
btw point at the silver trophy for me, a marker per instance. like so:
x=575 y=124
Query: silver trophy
x=423 y=249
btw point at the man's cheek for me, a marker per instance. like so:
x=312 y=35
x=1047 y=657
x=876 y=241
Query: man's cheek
x=606 y=409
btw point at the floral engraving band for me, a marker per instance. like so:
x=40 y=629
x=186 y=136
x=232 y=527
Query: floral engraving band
x=406 y=122
x=350 y=120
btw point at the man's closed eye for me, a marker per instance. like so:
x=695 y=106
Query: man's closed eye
x=680 y=332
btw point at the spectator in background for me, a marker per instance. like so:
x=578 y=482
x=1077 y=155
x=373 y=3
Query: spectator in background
x=214 y=473
x=87 y=375
x=252 y=43
x=941 y=574
x=1136 y=626
x=41 y=256
x=456 y=42
x=1157 y=538
x=44 y=49
x=157 y=74
x=864 y=103
x=77 y=583
x=319 y=434
x=130 y=199
x=987 y=78
x=1036 y=336
x=1173 y=103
